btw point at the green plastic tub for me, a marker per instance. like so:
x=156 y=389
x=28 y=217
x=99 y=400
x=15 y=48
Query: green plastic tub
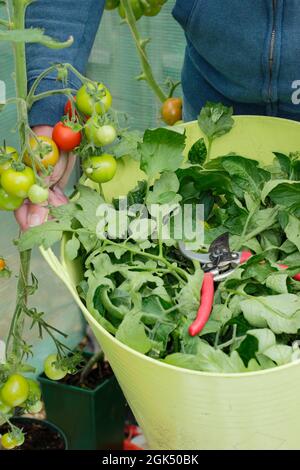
x=184 y=409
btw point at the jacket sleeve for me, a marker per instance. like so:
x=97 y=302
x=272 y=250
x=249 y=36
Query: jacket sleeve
x=60 y=19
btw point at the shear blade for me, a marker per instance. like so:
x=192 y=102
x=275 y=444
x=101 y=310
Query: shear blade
x=220 y=245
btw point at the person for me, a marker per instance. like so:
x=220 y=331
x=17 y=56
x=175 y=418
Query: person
x=243 y=54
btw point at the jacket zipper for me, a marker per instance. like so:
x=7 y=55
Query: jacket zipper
x=272 y=48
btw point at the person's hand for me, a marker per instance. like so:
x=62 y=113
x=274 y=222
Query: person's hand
x=30 y=215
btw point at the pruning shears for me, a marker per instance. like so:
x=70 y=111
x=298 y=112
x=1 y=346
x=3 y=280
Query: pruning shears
x=217 y=264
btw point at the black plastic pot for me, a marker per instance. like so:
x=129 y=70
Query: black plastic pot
x=91 y=419
x=26 y=423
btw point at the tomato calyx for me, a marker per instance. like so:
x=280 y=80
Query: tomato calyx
x=72 y=124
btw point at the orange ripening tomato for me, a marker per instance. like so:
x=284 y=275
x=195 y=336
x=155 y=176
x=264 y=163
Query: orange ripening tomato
x=171 y=111
x=2 y=264
x=46 y=151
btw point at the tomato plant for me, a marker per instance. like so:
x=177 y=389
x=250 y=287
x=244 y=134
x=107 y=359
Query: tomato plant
x=65 y=136
x=52 y=370
x=45 y=151
x=98 y=134
x=93 y=98
x=28 y=174
x=171 y=111
x=100 y=169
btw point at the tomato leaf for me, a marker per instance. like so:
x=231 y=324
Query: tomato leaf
x=132 y=333
x=198 y=152
x=161 y=150
x=215 y=120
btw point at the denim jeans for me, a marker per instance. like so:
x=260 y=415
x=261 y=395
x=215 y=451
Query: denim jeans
x=60 y=19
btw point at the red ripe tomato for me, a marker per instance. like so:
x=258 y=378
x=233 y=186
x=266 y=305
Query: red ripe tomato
x=65 y=137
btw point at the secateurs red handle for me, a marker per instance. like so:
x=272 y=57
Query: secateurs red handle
x=205 y=308
x=207 y=298
x=207 y=295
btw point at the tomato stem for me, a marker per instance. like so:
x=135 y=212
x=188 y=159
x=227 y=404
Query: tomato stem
x=32 y=97
x=17 y=323
x=147 y=75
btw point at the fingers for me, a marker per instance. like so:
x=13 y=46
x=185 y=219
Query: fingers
x=64 y=167
x=58 y=170
x=57 y=197
x=31 y=215
x=43 y=130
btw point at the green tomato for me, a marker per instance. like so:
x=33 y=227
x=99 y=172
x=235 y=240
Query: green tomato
x=15 y=390
x=35 y=408
x=111 y=4
x=136 y=8
x=93 y=97
x=18 y=183
x=4 y=409
x=51 y=371
x=11 y=440
x=8 y=442
x=9 y=152
x=152 y=8
x=99 y=135
x=100 y=169
x=9 y=202
x=37 y=194
x=34 y=390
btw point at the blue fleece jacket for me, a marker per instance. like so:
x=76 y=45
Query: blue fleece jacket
x=242 y=52
x=60 y=19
